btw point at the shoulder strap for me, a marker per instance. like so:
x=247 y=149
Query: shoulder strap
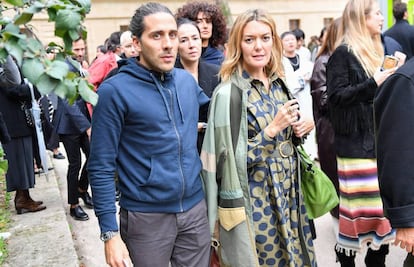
x=295 y=140
x=284 y=87
x=235 y=114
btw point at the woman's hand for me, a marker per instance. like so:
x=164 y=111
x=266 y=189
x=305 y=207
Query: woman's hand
x=381 y=75
x=201 y=126
x=303 y=126
x=286 y=116
x=405 y=239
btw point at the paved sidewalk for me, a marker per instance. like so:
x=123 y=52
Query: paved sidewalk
x=53 y=238
x=85 y=234
x=41 y=238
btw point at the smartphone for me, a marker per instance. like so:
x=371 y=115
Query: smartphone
x=401 y=57
x=389 y=62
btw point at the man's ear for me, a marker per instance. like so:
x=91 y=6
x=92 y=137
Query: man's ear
x=136 y=43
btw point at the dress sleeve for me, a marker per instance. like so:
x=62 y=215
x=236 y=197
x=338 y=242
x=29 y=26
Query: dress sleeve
x=9 y=73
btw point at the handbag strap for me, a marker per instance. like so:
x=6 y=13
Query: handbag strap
x=31 y=89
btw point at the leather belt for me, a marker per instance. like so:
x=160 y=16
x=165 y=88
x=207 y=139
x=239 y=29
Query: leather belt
x=284 y=149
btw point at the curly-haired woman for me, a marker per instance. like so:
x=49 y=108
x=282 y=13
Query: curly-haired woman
x=212 y=24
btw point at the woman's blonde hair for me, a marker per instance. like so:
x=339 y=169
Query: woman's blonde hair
x=234 y=59
x=368 y=49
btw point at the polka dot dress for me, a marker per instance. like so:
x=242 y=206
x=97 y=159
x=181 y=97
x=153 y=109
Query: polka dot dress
x=283 y=236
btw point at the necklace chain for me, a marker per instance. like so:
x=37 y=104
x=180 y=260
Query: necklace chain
x=297 y=61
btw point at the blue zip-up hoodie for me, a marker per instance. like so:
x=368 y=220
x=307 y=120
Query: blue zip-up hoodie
x=145 y=128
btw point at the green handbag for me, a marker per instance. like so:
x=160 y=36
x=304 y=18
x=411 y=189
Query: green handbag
x=319 y=193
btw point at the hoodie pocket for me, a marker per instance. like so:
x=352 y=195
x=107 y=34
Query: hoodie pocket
x=165 y=182
x=231 y=217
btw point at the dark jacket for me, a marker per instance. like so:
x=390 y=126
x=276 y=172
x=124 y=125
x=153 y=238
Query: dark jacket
x=394 y=120
x=390 y=45
x=212 y=55
x=4 y=133
x=403 y=33
x=318 y=88
x=70 y=119
x=145 y=128
x=208 y=80
x=13 y=100
x=350 y=98
x=325 y=136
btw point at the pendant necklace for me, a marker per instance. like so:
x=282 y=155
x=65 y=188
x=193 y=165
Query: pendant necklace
x=294 y=61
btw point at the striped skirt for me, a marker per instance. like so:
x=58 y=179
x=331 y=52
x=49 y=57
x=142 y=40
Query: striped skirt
x=361 y=217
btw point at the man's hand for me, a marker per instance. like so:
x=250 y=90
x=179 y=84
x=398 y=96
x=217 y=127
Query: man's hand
x=405 y=239
x=116 y=253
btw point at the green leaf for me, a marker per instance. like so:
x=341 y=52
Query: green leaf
x=67 y=19
x=3 y=53
x=51 y=12
x=74 y=35
x=15 y=50
x=61 y=89
x=68 y=88
x=34 y=45
x=36 y=7
x=85 y=4
x=32 y=69
x=72 y=92
x=60 y=32
x=3 y=166
x=68 y=42
x=23 y=18
x=18 y=3
x=58 y=70
x=87 y=93
x=46 y=84
x=55 y=45
x=11 y=30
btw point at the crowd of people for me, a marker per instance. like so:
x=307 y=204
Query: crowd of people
x=196 y=128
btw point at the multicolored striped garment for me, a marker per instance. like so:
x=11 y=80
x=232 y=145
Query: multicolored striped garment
x=361 y=217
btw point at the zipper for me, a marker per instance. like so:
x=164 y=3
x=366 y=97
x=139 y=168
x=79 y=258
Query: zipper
x=179 y=149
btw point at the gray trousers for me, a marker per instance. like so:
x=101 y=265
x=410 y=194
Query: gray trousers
x=158 y=239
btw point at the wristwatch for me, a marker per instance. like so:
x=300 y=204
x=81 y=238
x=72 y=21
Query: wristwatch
x=108 y=235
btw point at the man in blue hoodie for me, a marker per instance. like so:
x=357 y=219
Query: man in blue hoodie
x=145 y=128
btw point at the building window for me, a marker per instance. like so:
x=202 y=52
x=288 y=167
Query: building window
x=327 y=21
x=123 y=28
x=294 y=24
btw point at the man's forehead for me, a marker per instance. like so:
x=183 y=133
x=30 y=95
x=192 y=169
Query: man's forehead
x=159 y=22
x=78 y=44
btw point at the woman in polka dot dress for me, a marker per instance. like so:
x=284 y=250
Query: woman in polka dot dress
x=249 y=165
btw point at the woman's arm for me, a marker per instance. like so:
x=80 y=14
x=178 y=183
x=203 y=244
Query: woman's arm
x=9 y=73
x=347 y=83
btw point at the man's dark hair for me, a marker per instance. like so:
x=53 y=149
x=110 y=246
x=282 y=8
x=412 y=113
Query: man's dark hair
x=137 y=25
x=181 y=21
x=112 y=43
x=398 y=10
x=299 y=34
x=101 y=48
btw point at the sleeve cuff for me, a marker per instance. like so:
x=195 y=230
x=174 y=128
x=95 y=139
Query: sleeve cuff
x=107 y=222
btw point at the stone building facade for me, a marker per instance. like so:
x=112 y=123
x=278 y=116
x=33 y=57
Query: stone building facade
x=107 y=16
